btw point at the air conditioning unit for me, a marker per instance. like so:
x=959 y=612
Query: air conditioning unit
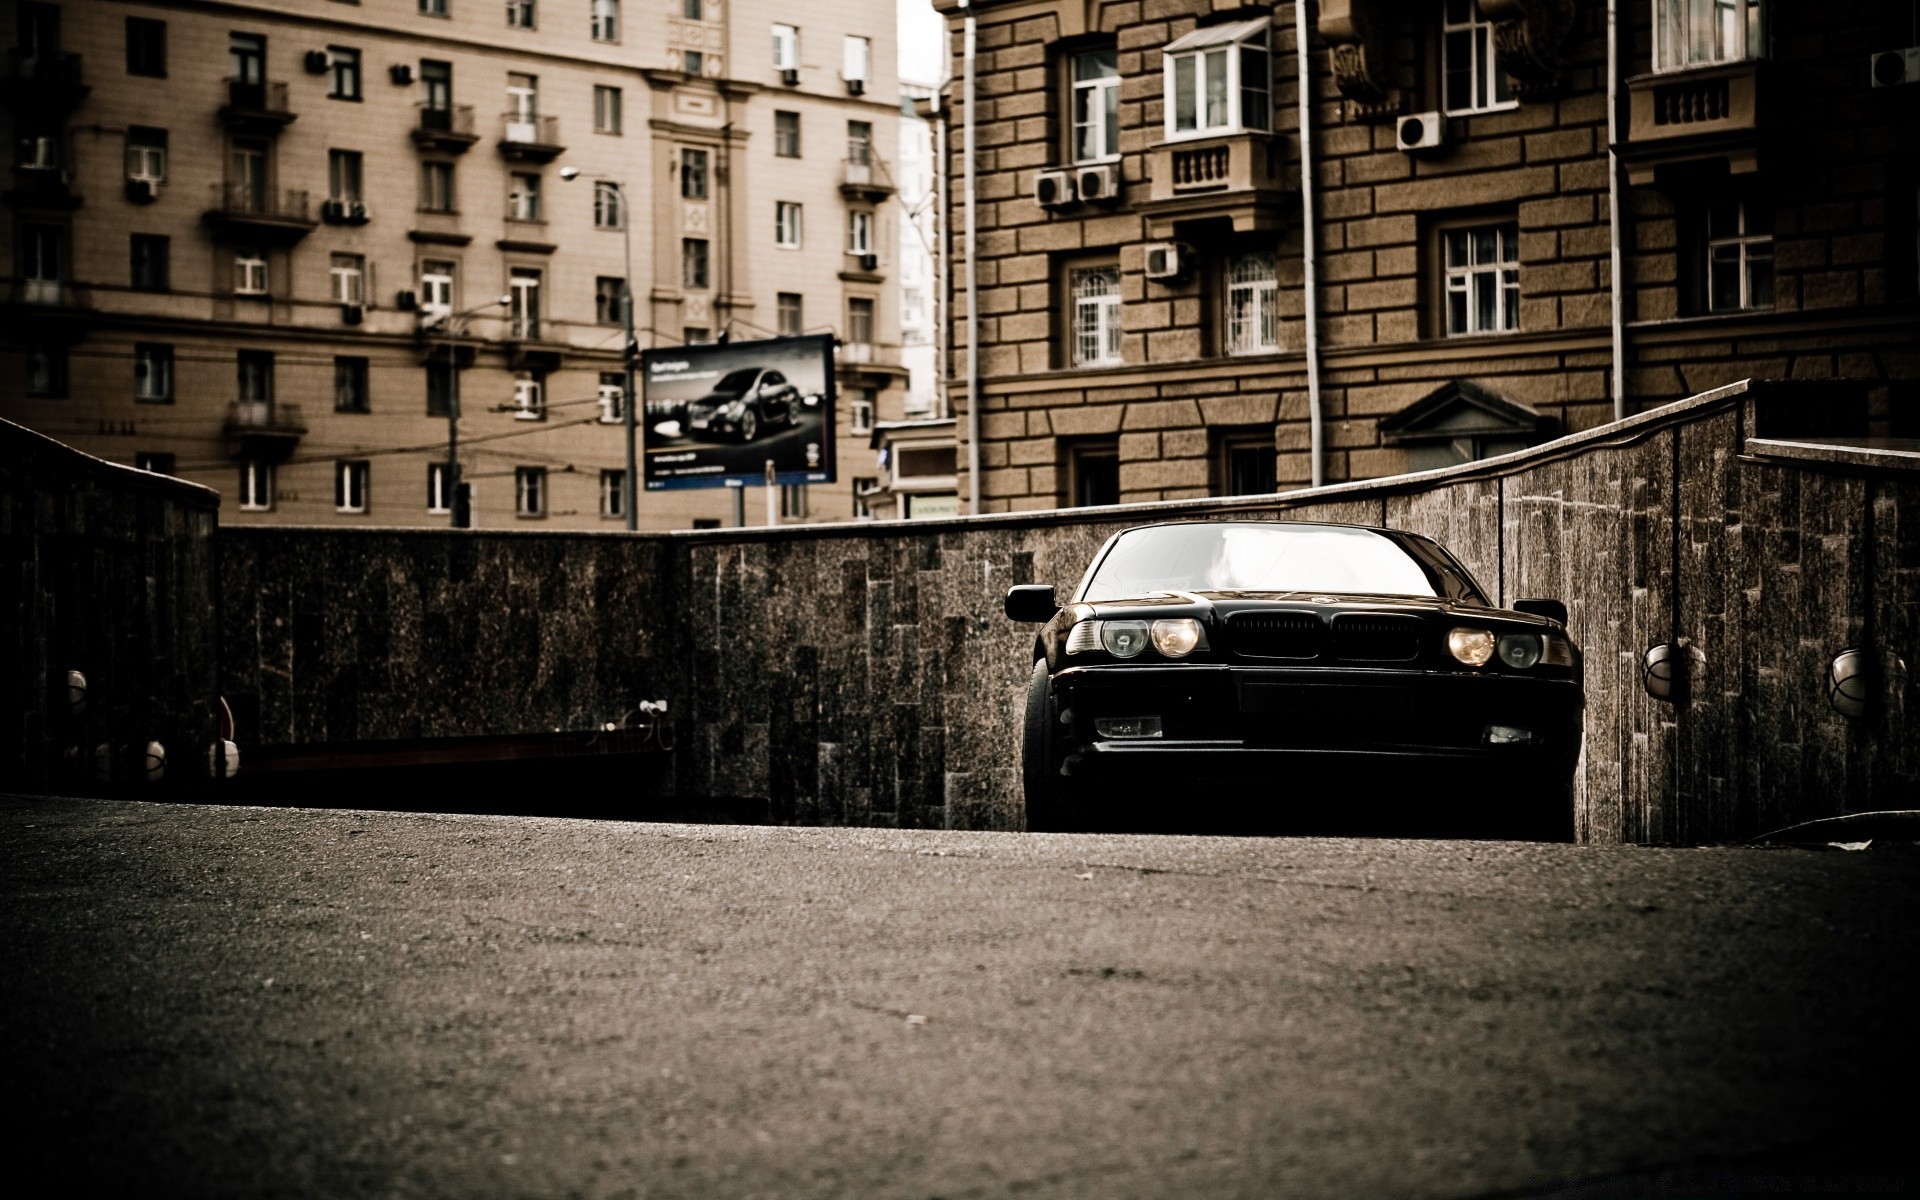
x=1098 y=185
x=1890 y=68
x=869 y=262
x=856 y=87
x=357 y=212
x=1053 y=189
x=141 y=191
x=333 y=210
x=38 y=154
x=352 y=314
x=790 y=76
x=1416 y=132
x=1168 y=261
x=401 y=73
x=406 y=301
x=316 y=61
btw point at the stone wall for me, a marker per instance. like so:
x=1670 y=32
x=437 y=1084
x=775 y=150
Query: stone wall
x=107 y=571
x=864 y=674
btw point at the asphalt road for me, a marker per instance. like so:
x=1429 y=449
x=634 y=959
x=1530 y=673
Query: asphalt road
x=253 y=1002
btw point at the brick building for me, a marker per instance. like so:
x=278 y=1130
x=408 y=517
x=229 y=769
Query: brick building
x=262 y=244
x=1143 y=248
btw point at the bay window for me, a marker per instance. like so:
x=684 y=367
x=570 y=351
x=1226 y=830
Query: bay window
x=1698 y=33
x=1218 y=79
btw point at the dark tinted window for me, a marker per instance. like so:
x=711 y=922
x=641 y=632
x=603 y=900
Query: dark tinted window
x=737 y=381
x=146 y=47
x=1278 y=557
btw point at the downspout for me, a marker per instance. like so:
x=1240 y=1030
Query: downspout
x=1316 y=434
x=1614 y=224
x=973 y=277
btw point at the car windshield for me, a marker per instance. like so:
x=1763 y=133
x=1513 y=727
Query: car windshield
x=1256 y=558
x=736 y=381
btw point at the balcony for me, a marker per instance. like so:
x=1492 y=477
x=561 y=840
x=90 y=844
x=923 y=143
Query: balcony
x=530 y=139
x=1707 y=118
x=446 y=130
x=43 y=83
x=1237 y=176
x=269 y=216
x=865 y=179
x=262 y=429
x=258 y=108
x=42 y=187
x=48 y=309
x=869 y=364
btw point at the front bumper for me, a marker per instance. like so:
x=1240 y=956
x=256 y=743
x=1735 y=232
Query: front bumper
x=712 y=421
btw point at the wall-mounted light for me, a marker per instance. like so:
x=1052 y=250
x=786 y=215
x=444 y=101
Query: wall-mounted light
x=1663 y=672
x=76 y=693
x=223 y=759
x=1857 y=684
x=156 y=762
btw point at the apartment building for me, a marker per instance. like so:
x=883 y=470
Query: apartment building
x=272 y=246
x=1151 y=206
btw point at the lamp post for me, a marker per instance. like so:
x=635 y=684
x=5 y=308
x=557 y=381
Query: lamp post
x=451 y=328
x=629 y=499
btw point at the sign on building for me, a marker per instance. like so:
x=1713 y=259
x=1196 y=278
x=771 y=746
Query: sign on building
x=717 y=414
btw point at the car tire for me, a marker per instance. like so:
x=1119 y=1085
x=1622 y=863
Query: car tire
x=1052 y=806
x=749 y=426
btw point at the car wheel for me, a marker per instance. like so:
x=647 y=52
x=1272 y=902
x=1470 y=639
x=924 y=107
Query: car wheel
x=1052 y=806
x=749 y=426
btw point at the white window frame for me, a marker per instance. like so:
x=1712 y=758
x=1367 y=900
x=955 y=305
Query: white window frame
x=1470 y=279
x=860 y=412
x=1218 y=51
x=786 y=47
x=1746 y=249
x=612 y=396
x=606 y=20
x=613 y=493
x=521 y=14
x=346 y=175
x=146 y=160
x=856 y=58
x=348 y=274
x=1252 y=303
x=529 y=397
x=438 y=499
x=786 y=224
x=249 y=272
x=608 y=102
x=1703 y=33
x=860 y=232
x=523 y=201
x=530 y=492
x=798 y=308
x=608 y=212
x=1461 y=22
x=1096 y=110
x=436 y=287
x=523 y=309
x=523 y=99
x=350 y=478
x=153 y=373
x=777 y=151
x=1094 y=293
x=256 y=486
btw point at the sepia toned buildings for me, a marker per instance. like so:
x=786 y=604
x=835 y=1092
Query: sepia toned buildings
x=1157 y=305
x=268 y=246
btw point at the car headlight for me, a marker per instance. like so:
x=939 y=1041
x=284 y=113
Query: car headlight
x=1177 y=637
x=1519 y=650
x=1473 y=647
x=1123 y=639
x=1085 y=638
x=1556 y=651
x=1172 y=637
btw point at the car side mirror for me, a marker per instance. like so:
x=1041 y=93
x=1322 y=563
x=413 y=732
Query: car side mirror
x=1552 y=610
x=1031 y=602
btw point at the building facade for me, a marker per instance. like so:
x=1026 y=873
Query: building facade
x=1147 y=230
x=270 y=246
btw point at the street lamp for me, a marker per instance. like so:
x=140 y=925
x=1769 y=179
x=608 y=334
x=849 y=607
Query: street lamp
x=629 y=500
x=449 y=325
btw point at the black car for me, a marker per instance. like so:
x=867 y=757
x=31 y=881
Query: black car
x=744 y=401
x=1298 y=675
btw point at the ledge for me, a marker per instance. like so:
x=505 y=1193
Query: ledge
x=1878 y=454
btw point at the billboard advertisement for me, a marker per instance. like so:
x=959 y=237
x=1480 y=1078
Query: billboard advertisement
x=716 y=414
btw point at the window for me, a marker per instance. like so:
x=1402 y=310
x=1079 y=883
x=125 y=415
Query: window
x=1095 y=296
x=147 y=154
x=695 y=335
x=350 y=393
x=1482 y=278
x=433 y=8
x=150 y=259
x=1096 y=106
x=350 y=486
x=793 y=500
x=343 y=175
x=860 y=143
x=46 y=371
x=529 y=397
x=1696 y=33
x=523 y=104
x=523 y=309
x=529 y=491
x=43 y=262
x=859 y=232
x=520 y=14
x=253 y=376
x=607 y=209
x=693 y=263
x=256 y=486
x=786 y=134
x=789 y=307
x=249 y=271
x=438 y=499
x=348 y=274
x=606 y=20
x=247 y=57
x=607 y=299
x=613 y=494
x=1470 y=70
x=1218 y=80
x=1244 y=462
x=860 y=411
x=152 y=373
x=1092 y=473
x=146 y=47
x=436 y=187
x=706 y=522
x=856 y=59
x=786 y=224
x=606 y=109
x=1253 y=314
x=613 y=397
x=693 y=174
x=693 y=62
x=436 y=286
x=437 y=79
x=343 y=67
x=786 y=48
x=247 y=188
x=1739 y=257
x=523 y=197
x=860 y=320
x=157 y=461
x=439 y=389
x=863 y=487
x=693 y=10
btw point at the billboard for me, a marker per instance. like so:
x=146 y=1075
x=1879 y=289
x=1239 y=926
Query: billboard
x=715 y=414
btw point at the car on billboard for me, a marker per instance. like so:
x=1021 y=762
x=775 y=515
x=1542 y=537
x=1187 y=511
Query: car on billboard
x=745 y=401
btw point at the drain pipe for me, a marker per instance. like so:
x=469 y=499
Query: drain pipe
x=1615 y=225
x=967 y=96
x=1309 y=253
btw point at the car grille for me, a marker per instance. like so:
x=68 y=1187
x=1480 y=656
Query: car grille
x=1376 y=637
x=1295 y=635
